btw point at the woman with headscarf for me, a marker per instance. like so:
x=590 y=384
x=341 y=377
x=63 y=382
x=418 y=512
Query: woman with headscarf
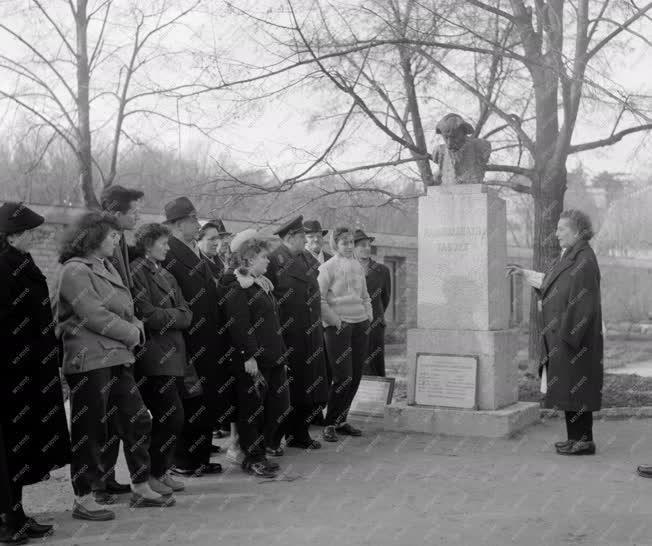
x=32 y=416
x=346 y=313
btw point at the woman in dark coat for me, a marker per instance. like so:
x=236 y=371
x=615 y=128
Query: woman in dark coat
x=36 y=438
x=572 y=341
x=161 y=364
x=255 y=350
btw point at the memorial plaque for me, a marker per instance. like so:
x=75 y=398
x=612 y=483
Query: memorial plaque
x=373 y=395
x=446 y=380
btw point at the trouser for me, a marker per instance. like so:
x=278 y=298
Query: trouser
x=579 y=425
x=260 y=409
x=162 y=396
x=194 y=446
x=347 y=349
x=109 y=458
x=375 y=361
x=297 y=424
x=15 y=517
x=97 y=397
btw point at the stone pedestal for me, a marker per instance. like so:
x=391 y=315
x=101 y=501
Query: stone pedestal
x=463 y=311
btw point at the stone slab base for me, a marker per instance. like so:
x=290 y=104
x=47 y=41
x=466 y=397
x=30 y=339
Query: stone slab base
x=499 y=423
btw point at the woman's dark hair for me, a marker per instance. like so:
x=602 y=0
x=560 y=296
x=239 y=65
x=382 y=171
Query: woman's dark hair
x=239 y=260
x=147 y=234
x=86 y=235
x=580 y=221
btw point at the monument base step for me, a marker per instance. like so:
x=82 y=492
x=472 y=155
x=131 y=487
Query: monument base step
x=498 y=423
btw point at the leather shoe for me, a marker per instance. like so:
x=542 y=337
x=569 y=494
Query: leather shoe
x=563 y=444
x=644 y=470
x=578 y=448
x=182 y=471
x=275 y=451
x=10 y=536
x=112 y=486
x=210 y=468
x=104 y=497
x=304 y=444
x=79 y=512
x=140 y=501
x=348 y=430
x=271 y=465
x=33 y=529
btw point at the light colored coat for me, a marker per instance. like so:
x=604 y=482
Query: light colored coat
x=95 y=317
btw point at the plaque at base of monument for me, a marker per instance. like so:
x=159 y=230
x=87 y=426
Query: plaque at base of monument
x=446 y=380
x=373 y=395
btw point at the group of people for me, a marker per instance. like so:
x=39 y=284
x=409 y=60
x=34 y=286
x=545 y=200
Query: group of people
x=190 y=331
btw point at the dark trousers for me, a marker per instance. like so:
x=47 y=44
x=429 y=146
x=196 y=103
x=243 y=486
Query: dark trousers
x=297 y=424
x=97 y=397
x=260 y=409
x=162 y=396
x=579 y=425
x=347 y=350
x=109 y=458
x=194 y=446
x=375 y=361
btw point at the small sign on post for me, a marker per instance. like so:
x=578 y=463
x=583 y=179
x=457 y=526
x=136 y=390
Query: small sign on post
x=446 y=380
x=373 y=395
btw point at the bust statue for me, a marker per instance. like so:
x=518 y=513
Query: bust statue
x=461 y=159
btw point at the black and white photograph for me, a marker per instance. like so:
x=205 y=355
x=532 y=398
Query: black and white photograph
x=316 y=272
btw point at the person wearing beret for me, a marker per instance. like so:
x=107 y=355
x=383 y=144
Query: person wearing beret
x=124 y=204
x=571 y=369
x=213 y=243
x=379 y=287
x=256 y=351
x=100 y=333
x=461 y=159
x=205 y=401
x=32 y=417
x=162 y=362
x=346 y=313
x=297 y=291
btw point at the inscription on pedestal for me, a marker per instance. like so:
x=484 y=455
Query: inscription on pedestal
x=374 y=393
x=446 y=380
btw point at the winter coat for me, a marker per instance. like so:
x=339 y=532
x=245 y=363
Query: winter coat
x=572 y=342
x=32 y=416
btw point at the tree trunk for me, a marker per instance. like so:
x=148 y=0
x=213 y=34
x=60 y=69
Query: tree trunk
x=548 y=204
x=83 y=109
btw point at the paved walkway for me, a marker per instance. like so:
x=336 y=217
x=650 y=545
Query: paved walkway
x=644 y=369
x=397 y=489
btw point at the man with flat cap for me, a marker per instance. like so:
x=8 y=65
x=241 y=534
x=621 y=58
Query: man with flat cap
x=297 y=292
x=201 y=402
x=380 y=290
x=461 y=159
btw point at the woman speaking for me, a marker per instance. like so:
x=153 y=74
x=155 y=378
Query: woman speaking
x=572 y=346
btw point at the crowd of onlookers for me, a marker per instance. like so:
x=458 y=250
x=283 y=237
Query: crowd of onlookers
x=191 y=332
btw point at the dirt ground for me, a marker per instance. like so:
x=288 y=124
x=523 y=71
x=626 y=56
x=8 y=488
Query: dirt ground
x=399 y=489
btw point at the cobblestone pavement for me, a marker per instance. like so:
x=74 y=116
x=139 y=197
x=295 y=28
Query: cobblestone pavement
x=398 y=489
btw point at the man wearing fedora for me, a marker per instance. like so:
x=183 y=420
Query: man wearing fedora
x=297 y=292
x=380 y=291
x=213 y=245
x=124 y=204
x=202 y=404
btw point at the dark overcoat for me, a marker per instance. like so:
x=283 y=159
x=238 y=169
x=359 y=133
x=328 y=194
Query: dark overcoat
x=203 y=342
x=215 y=265
x=572 y=343
x=33 y=419
x=379 y=286
x=297 y=293
x=166 y=315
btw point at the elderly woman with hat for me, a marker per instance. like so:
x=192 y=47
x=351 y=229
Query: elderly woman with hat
x=256 y=352
x=461 y=159
x=379 y=286
x=346 y=313
x=32 y=420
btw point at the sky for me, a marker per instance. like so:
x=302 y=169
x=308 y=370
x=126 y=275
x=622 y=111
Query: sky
x=282 y=131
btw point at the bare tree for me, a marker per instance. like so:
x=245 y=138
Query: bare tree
x=65 y=59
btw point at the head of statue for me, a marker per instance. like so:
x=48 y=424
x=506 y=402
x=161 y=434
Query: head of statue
x=454 y=130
